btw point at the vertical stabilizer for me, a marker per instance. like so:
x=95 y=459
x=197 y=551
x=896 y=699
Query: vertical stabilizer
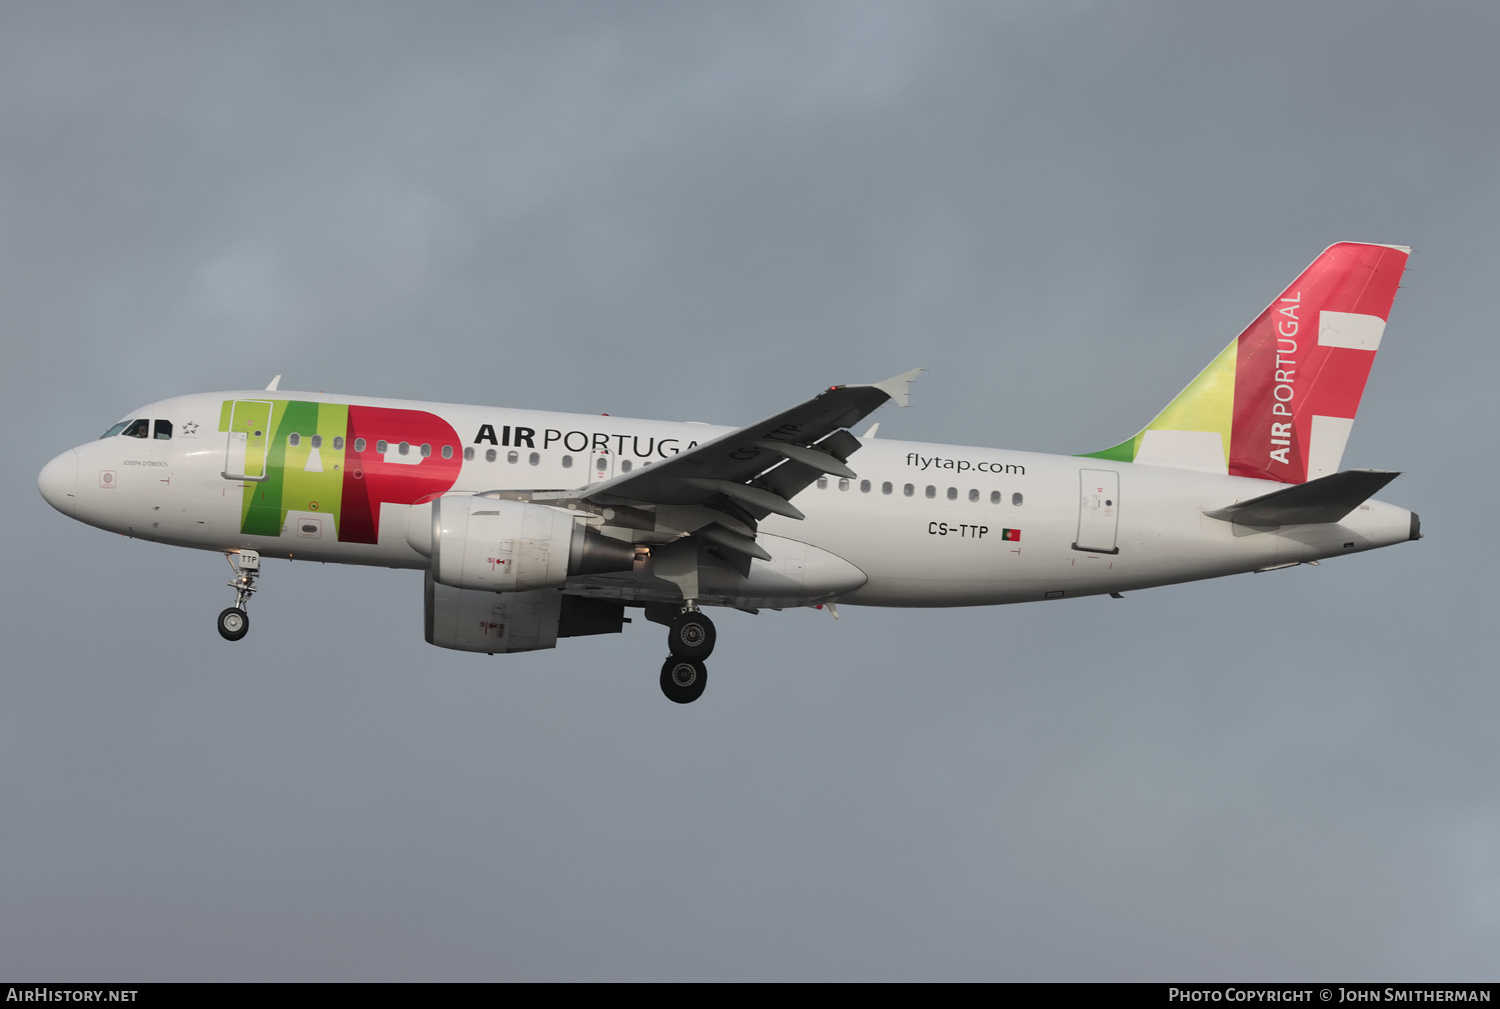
x=1279 y=402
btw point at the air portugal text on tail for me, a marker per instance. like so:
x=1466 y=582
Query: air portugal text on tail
x=578 y=519
x=1279 y=402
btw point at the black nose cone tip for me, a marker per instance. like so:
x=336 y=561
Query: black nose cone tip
x=1416 y=526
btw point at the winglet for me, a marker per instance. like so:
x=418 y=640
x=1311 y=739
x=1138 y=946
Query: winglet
x=898 y=387
x=274 y=383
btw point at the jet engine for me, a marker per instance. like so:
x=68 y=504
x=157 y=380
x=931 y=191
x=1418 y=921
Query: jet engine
x=494 y=545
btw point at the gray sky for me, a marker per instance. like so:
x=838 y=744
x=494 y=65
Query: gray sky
x=708 y=212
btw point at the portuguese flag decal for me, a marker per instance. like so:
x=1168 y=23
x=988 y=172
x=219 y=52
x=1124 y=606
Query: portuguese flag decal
x=1013 y=535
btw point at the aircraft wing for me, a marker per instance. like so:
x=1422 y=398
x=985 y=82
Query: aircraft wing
x=753 y=472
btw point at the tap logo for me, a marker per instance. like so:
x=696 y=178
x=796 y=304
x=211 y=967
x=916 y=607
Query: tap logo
x=343 y=462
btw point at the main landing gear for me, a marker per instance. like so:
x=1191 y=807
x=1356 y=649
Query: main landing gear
x=690 y=638
x=234 y=623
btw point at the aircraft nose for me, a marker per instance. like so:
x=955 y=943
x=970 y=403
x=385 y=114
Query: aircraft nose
x=58 y=482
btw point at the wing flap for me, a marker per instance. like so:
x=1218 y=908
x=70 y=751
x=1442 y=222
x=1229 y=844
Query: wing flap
x=816 y=458
x=734 y=541
x=794 y=476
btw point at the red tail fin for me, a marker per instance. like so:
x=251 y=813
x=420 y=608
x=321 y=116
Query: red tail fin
x=1301 y=366
x=1279 y=402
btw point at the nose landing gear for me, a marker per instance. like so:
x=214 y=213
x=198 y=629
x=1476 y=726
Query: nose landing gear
x=234 y=623
x=690 y=638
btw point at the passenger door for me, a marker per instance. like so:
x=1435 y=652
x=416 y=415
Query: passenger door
x=249 y=423
x=1098 y=511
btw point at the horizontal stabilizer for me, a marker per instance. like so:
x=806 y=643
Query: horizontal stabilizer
x=1326 y=499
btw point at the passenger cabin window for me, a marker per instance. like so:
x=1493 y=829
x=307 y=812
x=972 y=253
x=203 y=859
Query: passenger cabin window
x=404 y=448
x=338 y=443
x=447 y=451
x=317 y=441
x=509 y=456
x=536 y=458
x=908 y=490
x=359 y=444
x=1015 y=499
x=469 y=454
x=931 y=491
x=567 y=462
x=864 y=486
x=138 y=429
x=164 y=430
x=822 y=483
x=843 y=484
x=381 y=446
x=294 y=439
x=994 y=497
x=601 y=464
x=489 y=455
x=952 y=493
x=973 y=495
x=625 y=466
x=426 y=450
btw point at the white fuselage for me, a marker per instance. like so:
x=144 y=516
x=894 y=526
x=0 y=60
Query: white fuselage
x=925 y=525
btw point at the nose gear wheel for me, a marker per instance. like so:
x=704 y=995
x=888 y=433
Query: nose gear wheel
x=234 y=623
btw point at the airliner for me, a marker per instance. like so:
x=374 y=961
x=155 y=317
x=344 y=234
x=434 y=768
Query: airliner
x=533 y=526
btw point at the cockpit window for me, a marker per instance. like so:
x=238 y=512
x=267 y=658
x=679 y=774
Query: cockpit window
x=138 y=429
x=164 y=430
x=114 y=430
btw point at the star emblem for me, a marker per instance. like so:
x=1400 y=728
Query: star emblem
x=191 y=427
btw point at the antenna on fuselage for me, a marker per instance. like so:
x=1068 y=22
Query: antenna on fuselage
x=274 y=383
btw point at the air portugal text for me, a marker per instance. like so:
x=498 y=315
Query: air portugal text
x=647 y=447
x=1284 y=391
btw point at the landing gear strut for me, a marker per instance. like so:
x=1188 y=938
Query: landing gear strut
x=234 y=623
x=690 y=638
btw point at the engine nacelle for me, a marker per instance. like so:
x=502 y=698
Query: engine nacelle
x=494 y=545
x=471 y=620
x=492 y=622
